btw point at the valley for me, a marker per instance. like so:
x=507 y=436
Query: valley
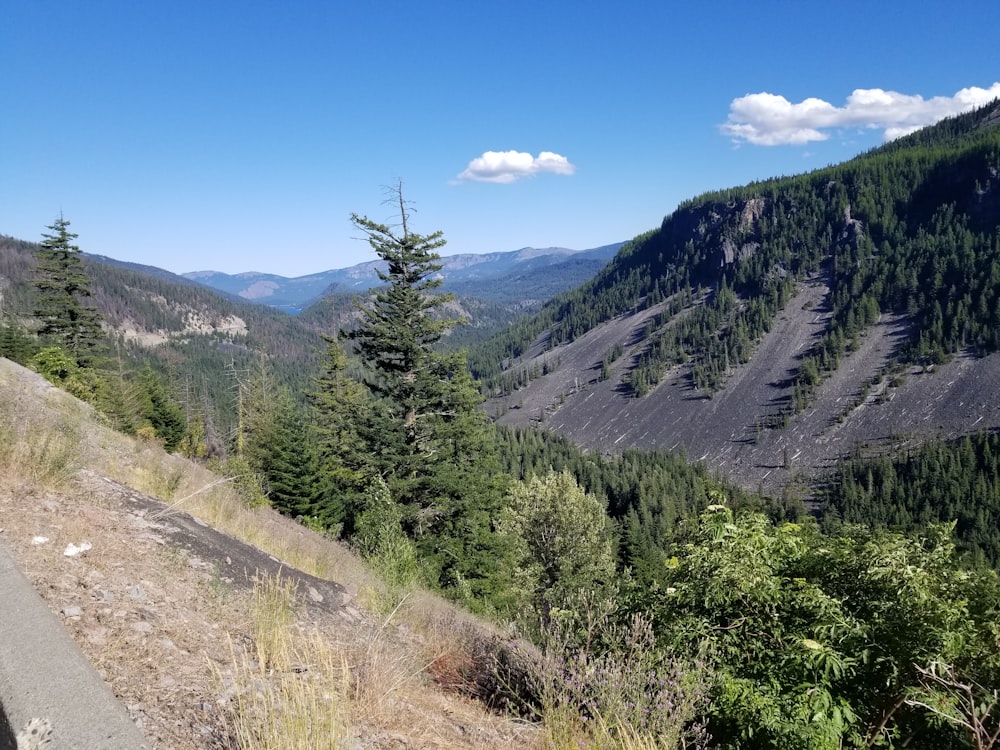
x=747 y=471
x=521 y=279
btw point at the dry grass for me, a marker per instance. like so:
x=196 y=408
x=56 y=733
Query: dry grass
x=310 y=689
x=632 y=698
x=191 y=488
x=385 y=672
x=293 y=696
x=41 y=455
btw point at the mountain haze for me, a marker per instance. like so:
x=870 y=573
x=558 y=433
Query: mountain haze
x=205 y=337
x=200 y=338
x=523 y=273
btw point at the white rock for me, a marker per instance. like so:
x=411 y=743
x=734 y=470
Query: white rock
x=73 y=550
x=137 y=592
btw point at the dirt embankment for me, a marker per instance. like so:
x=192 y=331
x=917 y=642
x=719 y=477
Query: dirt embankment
x=162 y=603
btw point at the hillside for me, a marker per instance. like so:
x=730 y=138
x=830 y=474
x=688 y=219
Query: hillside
x=735 y=431
x=764 y=331
x=167 y=601
x=491 y=290
x=198 y=337
x=203 y=336
x=771 y=328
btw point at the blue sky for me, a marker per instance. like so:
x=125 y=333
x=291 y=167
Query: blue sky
x=240 y=136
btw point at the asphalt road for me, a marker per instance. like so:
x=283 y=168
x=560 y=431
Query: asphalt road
x=44 y=675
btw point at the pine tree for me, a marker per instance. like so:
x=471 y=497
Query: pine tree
x=399 y=327
x=62 y=287
x=341 y=410
x=160 y=410
x=423 y=432
x=16 y=344
x=342 y=440
x=296 y=482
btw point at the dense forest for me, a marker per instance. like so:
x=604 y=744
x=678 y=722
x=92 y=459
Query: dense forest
x=721 y=618
x=200 y=342
x=954 y=482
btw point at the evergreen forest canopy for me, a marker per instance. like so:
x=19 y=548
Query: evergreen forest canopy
x=754 y=625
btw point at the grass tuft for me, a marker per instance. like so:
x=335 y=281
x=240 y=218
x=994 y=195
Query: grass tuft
x=35 y=452
x=293 y=695
x=273 y=612
x=632 y=697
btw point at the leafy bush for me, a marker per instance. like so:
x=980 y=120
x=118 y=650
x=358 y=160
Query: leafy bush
x=817 y=641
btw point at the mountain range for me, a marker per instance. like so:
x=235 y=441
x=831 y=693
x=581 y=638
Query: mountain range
x=824 y=338
x=525 y=274
x=205 y=337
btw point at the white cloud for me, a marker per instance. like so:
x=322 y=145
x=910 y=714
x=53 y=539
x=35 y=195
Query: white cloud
x=769 y=119
x=508 y=166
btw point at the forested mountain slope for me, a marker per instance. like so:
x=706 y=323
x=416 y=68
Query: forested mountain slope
x=771 y=327
x=200 y=339
x=205 y=341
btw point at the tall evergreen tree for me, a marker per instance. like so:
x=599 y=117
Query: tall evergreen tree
x=160 y=410
x=399 y=326
x=62 y=287
x=15 y=343
x=425 y=435
x=341 y=410
x=296 y=482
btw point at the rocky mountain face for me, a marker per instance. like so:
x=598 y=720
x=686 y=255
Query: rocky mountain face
x=770 y=329
x=744 y=431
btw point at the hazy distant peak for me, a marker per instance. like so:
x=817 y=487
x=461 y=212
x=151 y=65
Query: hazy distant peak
x=478 y=268
x=535 y=252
